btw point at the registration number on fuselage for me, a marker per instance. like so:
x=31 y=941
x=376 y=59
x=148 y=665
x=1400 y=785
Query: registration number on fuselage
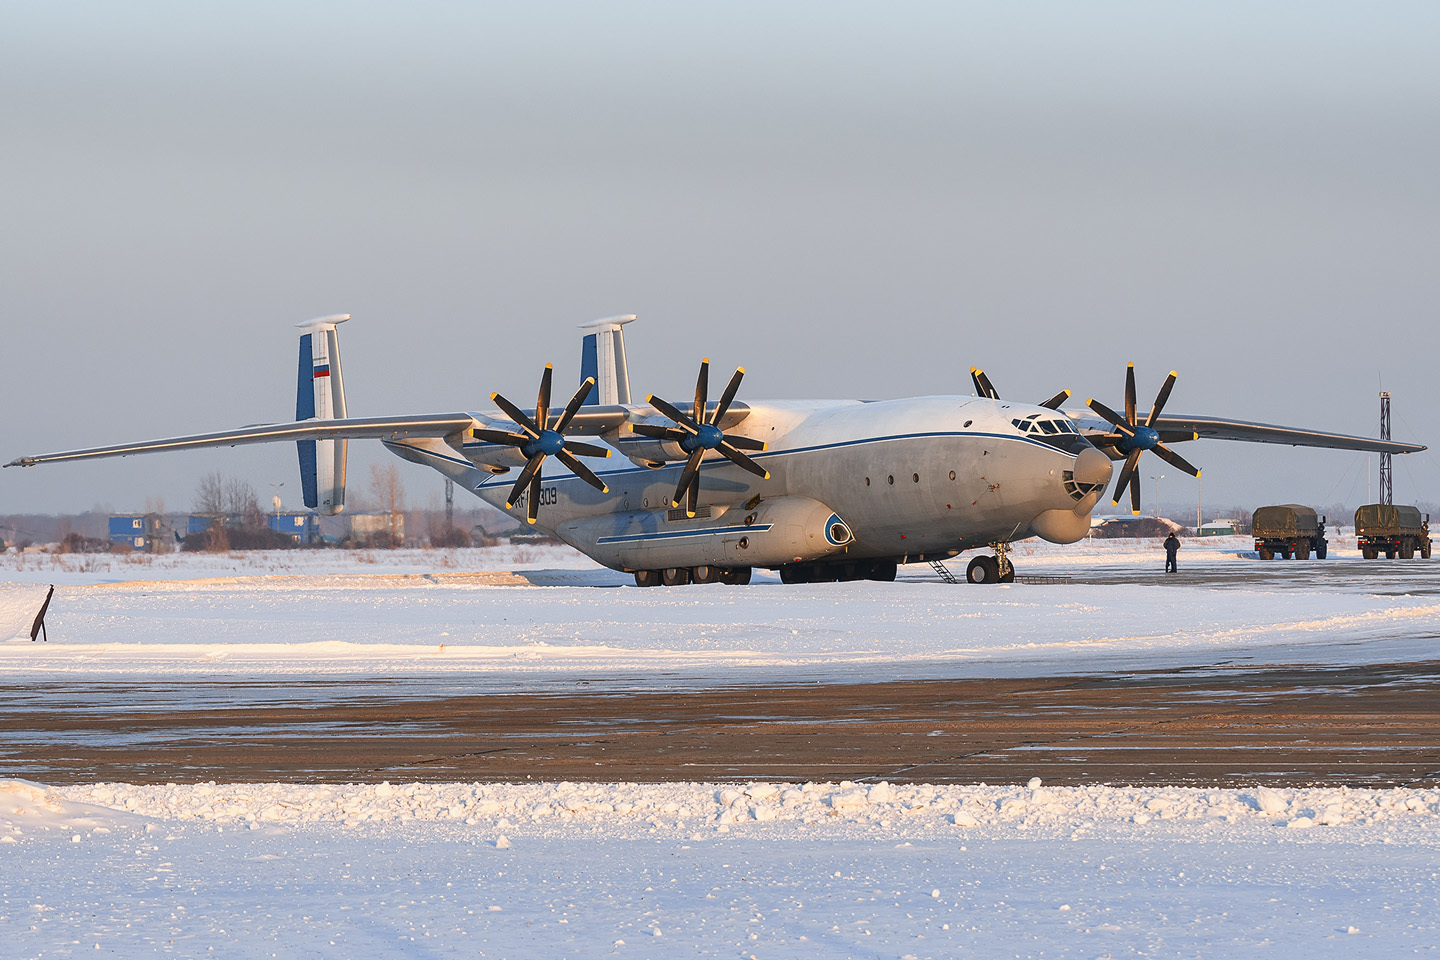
x=549 y=496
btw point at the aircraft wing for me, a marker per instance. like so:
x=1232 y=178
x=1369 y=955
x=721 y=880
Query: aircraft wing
x=384 y=428
x=1217 y=428
x=591 y=420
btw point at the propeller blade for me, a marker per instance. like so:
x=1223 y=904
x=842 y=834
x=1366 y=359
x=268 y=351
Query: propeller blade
x=702 y=391
x=745 y=443
x=542 y=400
x=580 y=449
x=1178 y=436
x=573 y=407
x=1126 y=472
x=1054 y=402
x=532 y=500
x=692 y=495
x=657 y=432
x=684 y=422
x=1130 y=393
x=500 y=436
x=983 y=386
x=581 y=471
x=691 y=472
x=727 y=450
x=1120 y=424
x=1135 y=494
x=1160 y=399
x=728 y=396
x=516 y=414
x=1174 y=459
x=532 y=468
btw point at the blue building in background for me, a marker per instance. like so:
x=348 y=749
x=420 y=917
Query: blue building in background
x=304 y=528
x=137 y=533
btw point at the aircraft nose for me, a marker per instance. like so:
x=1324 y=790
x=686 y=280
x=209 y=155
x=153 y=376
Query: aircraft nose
x=1092 y=467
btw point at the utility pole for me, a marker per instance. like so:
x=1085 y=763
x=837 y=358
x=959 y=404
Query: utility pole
x=1387 y=479
x=449 y=504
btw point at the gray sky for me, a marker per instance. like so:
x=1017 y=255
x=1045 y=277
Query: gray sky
x=847 y=199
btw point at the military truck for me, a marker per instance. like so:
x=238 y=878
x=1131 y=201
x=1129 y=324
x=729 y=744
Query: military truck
x=1288 y=529
x=1391 y=529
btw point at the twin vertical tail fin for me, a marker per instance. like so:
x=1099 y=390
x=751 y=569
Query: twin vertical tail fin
x=320 y=395
x=602 y=356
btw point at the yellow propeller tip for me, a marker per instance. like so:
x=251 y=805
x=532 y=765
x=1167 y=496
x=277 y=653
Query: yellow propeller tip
x=530 y=520
x=607 y=454
x=1197 y=474
x=1194 y=436
x=975 y=370
x=705 y=360
x=739 y=369
x=1129 y=364
x=649 y=397
x=604 y=488
x=549 y=366
x=1134 y=513
x=767 y=475
x=674 y=503
x=509 y=504
x=1174 y=374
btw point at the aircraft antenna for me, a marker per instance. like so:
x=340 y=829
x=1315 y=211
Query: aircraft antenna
x=1387 y=479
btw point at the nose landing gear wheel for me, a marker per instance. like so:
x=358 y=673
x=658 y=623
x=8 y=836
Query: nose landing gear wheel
x=983 y=569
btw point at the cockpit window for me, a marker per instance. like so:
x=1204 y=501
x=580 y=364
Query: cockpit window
x=1057 y=431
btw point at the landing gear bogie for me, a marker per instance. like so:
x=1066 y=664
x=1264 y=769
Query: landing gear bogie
x=679 y=576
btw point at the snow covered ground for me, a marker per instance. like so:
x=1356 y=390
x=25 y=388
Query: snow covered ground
x=685 y=870
x=499 y=618
x=768 y=870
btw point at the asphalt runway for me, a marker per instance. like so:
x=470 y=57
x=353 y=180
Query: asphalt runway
x=1370 y=726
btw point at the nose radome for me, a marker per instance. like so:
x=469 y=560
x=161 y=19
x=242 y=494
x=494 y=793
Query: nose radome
x=1092 y=466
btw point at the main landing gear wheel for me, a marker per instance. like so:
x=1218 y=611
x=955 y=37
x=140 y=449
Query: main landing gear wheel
x=675 y=576
x=705 y=574
x=983 y=569
x=735 y=576
x=647 y=578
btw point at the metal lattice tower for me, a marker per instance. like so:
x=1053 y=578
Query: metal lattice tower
x=1387 y=480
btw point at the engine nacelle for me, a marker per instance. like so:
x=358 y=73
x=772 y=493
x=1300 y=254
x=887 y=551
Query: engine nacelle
x=644 y=451
x=777 y=531
x=495 y=457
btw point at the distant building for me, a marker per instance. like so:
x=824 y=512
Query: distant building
x=368 y=526
x=301 y=527
x=137 y=533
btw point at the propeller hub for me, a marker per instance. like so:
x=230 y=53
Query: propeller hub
x=1145 y=439
x=709 y=436
x=549 y=443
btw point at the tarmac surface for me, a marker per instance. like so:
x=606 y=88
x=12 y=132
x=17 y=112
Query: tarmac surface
x=1369 y=725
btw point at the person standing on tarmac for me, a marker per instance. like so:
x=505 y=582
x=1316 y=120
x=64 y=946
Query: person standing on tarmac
x=1172 y=547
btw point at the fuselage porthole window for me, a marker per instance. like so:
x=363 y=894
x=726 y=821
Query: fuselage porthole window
x=968 y=422
x=952 y=474
x=915 y=477
x=890 y=479
x=867 y=481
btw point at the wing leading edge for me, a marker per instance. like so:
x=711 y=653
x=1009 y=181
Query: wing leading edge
x=1219 y=428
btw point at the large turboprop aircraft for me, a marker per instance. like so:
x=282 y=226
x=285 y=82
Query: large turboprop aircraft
x=817 y=489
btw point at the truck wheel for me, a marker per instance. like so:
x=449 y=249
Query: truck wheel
x=983 y=569
x=1266 y=553
x=1425 y=549
x=1407 y=549
x=1321 y=549
x=1302 y=550
x=1369 y=552
x=1390 y=553
x=1284 y=553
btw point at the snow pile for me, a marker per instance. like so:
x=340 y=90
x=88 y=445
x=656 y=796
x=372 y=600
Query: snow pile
x=27 y=807
x=516 y=807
